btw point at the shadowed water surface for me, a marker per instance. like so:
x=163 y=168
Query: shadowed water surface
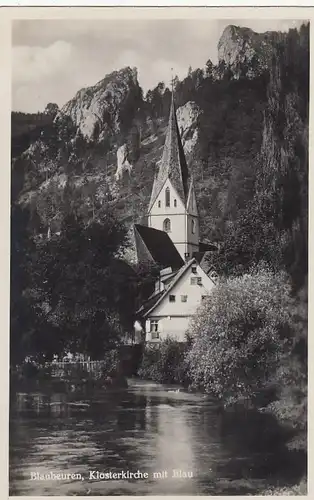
x=143 y=428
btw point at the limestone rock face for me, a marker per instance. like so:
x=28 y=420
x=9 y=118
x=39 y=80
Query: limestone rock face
x=96 y=110
x=123 y=164
x=187 y=117
x=243 y=47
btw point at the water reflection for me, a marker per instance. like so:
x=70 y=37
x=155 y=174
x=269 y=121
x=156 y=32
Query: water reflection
x=144 y=428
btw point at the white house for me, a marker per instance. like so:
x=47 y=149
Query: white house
x=168 y=311
x=171 y=240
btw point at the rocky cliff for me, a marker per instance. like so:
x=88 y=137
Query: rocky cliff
x=241 y=49
x=98 y=111
x=104 y=145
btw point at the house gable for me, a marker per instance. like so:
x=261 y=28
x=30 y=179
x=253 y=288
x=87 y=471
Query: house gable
x=187 y=296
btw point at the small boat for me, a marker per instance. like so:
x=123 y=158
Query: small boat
x=175 y=391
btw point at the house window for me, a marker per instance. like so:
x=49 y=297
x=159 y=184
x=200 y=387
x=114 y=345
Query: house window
x=167 y=225
x=175 y=203
x=167 y=197
x=194 y=269
x=196 y=281
x=186 y=255
x=154 y=329
x=154 y=325
x=184 y=298
x=193 y=226
x=172 y=298
x=159 y=204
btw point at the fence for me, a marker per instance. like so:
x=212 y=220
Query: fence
x=61 y=368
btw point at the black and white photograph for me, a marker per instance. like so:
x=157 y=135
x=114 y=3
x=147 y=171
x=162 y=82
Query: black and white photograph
x=159 y=254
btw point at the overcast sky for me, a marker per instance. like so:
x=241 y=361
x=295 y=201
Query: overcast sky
x=53 y=59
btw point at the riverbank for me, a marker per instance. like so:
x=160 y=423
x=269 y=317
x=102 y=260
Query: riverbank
x=67 y=377
x=285 y=404
x=299 y=489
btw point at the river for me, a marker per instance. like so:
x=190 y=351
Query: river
x=145 y=428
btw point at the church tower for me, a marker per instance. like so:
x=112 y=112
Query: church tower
x=172 y=206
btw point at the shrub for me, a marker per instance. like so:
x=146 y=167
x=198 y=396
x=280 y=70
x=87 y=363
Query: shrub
x=239 y=335
x=165 y=362
x=110 y=363
x=290 y=378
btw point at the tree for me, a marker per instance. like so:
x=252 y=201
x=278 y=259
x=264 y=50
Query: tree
x=209 y=69
x=23 y=312
x=247 y=240
x=239 y=335
x=80 y=287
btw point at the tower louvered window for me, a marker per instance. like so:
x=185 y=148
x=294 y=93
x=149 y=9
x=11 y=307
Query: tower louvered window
x=167 y=197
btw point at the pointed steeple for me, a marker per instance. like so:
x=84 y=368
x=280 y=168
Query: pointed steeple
x=173 y=163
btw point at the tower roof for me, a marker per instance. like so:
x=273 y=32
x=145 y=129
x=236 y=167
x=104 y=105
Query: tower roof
x=173 y=163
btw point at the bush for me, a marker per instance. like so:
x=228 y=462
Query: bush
x=111 y=363
x=240 y=334
x=165 y=362
x=290 y=379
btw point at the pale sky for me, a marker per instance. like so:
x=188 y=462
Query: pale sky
x=53 y=59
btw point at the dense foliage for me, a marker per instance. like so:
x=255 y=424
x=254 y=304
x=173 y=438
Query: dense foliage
x=165 y=362
x=272 y=223
x=69 y=291
x=240 y=334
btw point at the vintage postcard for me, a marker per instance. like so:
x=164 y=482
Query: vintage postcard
x=159 y=251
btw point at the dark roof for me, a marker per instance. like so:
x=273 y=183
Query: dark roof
x=149 y=303
x=173 y=164
x=198 y=256
x=205 y=247
x=148 y=309
x=154 y=245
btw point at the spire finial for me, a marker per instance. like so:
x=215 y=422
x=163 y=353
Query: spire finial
x=172 y=80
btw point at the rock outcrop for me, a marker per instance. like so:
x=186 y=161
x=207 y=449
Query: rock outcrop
x=187 y=117
x=123 y=164
x=244 y=50
x=97 y=111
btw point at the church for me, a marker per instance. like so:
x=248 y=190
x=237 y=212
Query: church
x=171 y=239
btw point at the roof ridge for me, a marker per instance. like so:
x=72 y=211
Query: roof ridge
x=175 y=280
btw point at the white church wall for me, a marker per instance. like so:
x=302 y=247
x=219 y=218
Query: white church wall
x=181 y=232
x=174 y=208
x=192 y=237
x=192 y=205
